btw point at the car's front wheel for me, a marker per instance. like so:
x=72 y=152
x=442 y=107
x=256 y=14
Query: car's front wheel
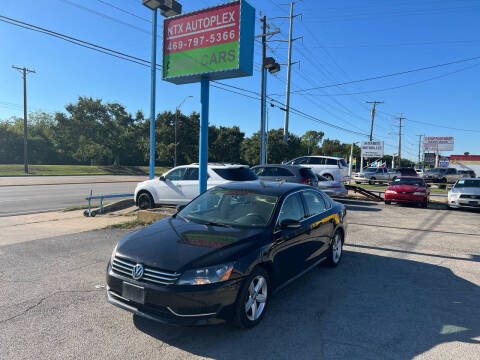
x=145 y=201
x=253 y=299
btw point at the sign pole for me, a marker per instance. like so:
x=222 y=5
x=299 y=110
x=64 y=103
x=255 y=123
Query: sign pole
x=152 y=94
x=264 y=116
x=203 y=145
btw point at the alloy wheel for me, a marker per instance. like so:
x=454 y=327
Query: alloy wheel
x=257 y=298
x=337 y=248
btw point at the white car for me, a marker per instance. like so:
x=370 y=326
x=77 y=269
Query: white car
x=330 y=167
x=180 y=184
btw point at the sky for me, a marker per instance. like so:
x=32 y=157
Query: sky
x=343 y=40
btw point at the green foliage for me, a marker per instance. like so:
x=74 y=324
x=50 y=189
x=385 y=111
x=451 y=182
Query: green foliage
x=91 y=132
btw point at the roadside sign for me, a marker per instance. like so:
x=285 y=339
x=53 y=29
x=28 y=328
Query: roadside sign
x=438 y=143
x=216 y=43
x=372 y=149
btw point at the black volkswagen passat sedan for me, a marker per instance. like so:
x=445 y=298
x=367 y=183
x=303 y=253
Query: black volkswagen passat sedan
x=222 y=256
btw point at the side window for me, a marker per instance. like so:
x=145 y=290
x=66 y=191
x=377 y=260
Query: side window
x=258 y=171
x=292 y=209
x=191 y=174
x=451 y=171
x=316 y=161
x=302 y=160
x=268 y=171
x=176 y=174
x=315 y=203
x=332 y=162
x=283 y=172
x=379 y=170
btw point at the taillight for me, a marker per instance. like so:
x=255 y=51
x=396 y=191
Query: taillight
x=306 y=181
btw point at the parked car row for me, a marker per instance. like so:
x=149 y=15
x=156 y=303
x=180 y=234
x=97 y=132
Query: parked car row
x=180 y=185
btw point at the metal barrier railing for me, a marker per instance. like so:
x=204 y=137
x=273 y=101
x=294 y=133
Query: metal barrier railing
x=93 y=213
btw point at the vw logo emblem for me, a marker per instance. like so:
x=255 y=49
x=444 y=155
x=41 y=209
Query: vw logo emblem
x=137 y=271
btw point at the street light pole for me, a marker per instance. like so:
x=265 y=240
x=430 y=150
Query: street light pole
x=152 y=94
x=177 y=109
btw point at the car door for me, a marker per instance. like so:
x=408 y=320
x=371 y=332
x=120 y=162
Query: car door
x=268 y=174
x=287 y=251
x=189 y=184
x=321 y=220
x=170 y=190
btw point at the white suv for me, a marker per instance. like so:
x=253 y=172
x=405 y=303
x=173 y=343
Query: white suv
x=180 y=184
x=330 y=167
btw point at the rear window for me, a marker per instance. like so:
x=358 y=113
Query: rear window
x=307 y=173
x=408 y=172
x=236 y=174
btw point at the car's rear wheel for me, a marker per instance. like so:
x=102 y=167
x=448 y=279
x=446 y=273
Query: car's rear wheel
x=336 y=250
x=253 y=299
x=371 y=181
x=328 y=176
x=387 y=202
x=145 y=201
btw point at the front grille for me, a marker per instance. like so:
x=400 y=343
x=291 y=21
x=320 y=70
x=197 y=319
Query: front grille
x=124 y=267
x=464 y=196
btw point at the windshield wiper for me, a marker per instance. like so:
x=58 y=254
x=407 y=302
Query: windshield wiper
x=212 y=223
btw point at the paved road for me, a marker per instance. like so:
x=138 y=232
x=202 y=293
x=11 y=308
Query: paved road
x=408 y=286
x=37 y=198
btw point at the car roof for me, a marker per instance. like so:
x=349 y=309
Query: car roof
x=322 y=156
x=218 y=165
x=282 y=165
x=410 y=177
x=273 y=188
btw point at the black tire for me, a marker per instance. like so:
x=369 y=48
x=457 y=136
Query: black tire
x=357 y=182
x=145 y=201
x=93 y=214
x=387 y=202
x=86 y=213
x=241 y=318
x=333 y=258
x=372 y=181
x=424 y=204
x=394 y=178
x=328 y=176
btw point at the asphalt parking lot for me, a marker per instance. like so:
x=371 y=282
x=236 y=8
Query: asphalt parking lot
x=408 y=286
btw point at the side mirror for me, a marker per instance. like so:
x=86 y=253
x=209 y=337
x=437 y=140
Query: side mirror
x=162 y=178
x=290 y=224
x=180 y=207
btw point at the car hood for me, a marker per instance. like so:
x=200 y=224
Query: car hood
x=406 y=188
x=466 y=190
x=176 y=244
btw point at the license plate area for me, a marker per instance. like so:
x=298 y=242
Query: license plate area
x=133 y=292
x=473 y=203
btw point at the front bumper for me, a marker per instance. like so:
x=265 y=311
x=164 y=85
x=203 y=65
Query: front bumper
x=173 y=304
x=467 y=203
x=406 y=198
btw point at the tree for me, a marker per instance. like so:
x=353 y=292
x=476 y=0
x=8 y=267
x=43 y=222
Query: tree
x=311 y=140
x=225 y=144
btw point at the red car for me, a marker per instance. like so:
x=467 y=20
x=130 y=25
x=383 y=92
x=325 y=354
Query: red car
x=408 y=189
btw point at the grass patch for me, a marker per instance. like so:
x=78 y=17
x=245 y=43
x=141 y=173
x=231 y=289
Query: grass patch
x=131 y=224
x=75 y=207
x=382 y=188
x=78 y=170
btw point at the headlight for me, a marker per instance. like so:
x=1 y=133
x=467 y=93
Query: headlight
x=419 y=193
x=454 y=196
x=210 y=275
x=113 y=254
x=390 y=192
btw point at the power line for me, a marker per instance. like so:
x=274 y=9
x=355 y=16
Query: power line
x=124 y=11
x=390 y=75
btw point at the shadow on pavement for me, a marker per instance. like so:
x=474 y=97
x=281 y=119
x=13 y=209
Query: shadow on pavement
x=356 y=202
x=362 y=208
x=369 y=307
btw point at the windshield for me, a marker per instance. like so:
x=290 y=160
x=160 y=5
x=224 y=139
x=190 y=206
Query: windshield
x=229 y=207
x=468 y=183
x=408 y=181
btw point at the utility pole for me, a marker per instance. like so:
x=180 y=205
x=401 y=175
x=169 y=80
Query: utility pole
x=262 y=92
x=400 y=118
x=419 y=148
x=289 y=71
x=373 y=114
x=24 y=71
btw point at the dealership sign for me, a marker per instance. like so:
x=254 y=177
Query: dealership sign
x=438 y=143
x=372 y=149
x=216 y=43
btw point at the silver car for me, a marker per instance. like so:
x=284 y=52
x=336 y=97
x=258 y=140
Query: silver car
x=332 y=188
x=288 y=173
x=465 y=193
